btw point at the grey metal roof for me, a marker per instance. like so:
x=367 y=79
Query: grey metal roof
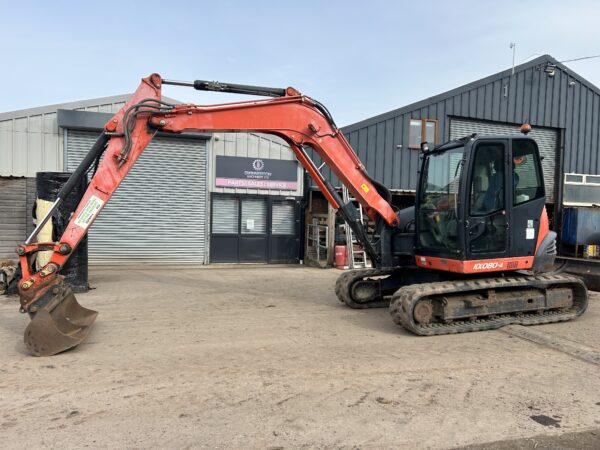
x=542 y=60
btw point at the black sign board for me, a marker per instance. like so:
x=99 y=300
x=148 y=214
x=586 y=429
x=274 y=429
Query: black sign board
x=256 y=173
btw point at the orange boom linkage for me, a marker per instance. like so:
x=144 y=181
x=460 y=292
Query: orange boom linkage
x=420 y=267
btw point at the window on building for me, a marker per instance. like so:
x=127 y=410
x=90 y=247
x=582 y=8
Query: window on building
x=422 y=130
x=581 y=190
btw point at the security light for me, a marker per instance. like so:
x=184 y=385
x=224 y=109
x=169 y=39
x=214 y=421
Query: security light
x=550 y=69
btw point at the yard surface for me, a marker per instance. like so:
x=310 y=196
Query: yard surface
x=266 y=357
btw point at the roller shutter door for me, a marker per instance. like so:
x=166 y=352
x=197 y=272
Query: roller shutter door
x=13 y=215
x=283 y=218
x=546 y=139
x=158 y=215
x=17 y=197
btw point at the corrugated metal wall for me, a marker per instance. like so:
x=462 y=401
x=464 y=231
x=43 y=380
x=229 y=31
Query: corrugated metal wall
x=32 y=142
x=29 y=145
x=16 y=202
x=564 y=101
x=252 y=145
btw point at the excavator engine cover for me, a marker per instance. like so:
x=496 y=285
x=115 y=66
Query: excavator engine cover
x=62 y=323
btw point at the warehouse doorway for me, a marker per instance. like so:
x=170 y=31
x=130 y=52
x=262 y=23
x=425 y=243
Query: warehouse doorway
x=254 y=229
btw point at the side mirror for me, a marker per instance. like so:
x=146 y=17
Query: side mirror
x=424 y=147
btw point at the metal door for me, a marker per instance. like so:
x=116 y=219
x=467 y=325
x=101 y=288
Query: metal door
x=253 y=229
x=225 y=224
x=158 y=214
x=284 y=238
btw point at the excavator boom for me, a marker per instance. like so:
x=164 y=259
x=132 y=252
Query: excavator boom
x=301 y=121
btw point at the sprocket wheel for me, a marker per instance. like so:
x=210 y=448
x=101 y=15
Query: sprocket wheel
x=423 y=312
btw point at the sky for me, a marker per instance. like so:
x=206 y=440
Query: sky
x=358 y=58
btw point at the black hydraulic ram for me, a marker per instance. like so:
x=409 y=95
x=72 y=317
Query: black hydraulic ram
x=94 y=153
x=246 y=89
x=203 y=85
x=348 y=211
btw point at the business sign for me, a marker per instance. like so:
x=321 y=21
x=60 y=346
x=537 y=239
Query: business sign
x=256 y=173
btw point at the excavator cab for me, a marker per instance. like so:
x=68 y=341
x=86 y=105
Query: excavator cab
x=481 y=205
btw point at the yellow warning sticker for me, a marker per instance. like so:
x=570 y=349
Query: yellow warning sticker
x=364 y=187
x=89 y=212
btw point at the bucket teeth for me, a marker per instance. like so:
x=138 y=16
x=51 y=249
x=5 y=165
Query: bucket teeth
x=60 y=325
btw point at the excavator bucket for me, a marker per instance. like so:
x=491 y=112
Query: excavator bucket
x=62 y=324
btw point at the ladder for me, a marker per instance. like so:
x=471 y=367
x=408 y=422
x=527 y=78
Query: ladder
x=357 y=258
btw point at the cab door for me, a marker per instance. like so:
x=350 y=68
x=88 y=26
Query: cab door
x=487 y=215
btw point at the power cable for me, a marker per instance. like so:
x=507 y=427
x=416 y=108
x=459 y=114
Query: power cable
x=579 y=59
x=531 y=56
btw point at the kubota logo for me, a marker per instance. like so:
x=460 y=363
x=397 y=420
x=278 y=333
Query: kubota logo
x=489 y=265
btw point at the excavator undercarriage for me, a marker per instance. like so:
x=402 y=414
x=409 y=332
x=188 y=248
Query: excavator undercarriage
x=426 y=306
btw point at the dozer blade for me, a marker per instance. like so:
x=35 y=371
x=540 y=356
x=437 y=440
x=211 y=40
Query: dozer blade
x=60 y=325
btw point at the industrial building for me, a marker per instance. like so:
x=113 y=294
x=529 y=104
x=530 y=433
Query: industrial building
x=562 y=107
x=185 y=192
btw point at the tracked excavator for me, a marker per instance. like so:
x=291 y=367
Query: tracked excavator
x=474 y=253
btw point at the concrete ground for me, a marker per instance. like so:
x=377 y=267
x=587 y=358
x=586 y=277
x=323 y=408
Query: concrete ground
x=266 y=357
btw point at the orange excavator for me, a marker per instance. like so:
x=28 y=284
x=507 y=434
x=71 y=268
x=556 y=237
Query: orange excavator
x=474 y=253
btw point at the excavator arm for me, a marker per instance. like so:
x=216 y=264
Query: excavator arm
x=301 y=121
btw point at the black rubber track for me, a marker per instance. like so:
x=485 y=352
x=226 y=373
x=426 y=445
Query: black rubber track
x=404 y=300
x=344 y=283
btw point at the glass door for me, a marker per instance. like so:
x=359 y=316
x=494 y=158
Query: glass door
x=487 y=220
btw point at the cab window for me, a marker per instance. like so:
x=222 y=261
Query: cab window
x=528 y=184
x=486 y=231
x=439 y=199
x=487 y=183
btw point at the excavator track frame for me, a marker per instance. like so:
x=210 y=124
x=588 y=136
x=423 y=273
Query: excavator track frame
x=346 y=281
x=404 y=301
x=385 y=282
